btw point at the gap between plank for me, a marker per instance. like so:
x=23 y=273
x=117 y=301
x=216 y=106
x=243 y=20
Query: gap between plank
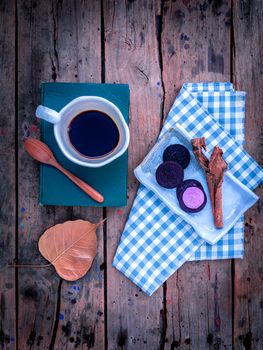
x=232 y=45
x=105 y=276
x=159 y=30
x=232 y=77
x=16 y=175
x=102 y=42
x=233 y=298
x=56 y=321
x=104 y=211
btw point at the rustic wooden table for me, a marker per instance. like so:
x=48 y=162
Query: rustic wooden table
x=154 y=46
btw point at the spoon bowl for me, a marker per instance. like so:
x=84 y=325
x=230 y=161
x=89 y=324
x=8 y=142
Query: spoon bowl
x=38 y=150
x=42 y=153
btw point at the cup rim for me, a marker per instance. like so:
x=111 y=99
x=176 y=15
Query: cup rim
x=103 y=162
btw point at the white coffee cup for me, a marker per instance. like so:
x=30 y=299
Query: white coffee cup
x=63 y=118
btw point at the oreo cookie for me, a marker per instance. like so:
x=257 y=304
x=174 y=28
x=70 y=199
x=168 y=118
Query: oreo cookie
x=191 y=196
x=177 y=153
x=169 y=174
x=188 y=183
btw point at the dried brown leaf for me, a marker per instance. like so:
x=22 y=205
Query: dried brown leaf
x=70 y=247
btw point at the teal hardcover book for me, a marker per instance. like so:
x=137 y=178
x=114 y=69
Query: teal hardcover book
x=110 y=180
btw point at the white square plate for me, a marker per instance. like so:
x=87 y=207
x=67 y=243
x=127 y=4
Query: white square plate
x=237 y=198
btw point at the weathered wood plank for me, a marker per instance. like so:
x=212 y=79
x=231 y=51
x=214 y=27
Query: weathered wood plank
x=38 y=288
x=82 y=303
x=8 y=175
x=58 y=41
x=248 y=70
x=79 y=50
x=134 y=321
x=196 y=47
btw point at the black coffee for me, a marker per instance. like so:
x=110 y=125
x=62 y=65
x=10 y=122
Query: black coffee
x=93 y=133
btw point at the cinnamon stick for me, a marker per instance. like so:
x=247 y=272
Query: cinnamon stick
x=217 y=167
x=214 y=171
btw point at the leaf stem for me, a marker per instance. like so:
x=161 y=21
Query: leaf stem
x=52 y=262
x=29 y=265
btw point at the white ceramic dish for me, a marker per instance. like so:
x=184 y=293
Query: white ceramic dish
x=237 y=198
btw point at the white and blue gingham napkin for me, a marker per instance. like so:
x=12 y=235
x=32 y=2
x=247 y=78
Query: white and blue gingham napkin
x=155 y=241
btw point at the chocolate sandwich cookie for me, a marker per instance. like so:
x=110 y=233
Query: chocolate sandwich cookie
x=191 y=196
x=169 y=174
x=177 y=153
x=188 y=183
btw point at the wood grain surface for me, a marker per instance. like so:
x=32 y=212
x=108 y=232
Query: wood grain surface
x=81 y=314
x=131 y=56
x=154 y=46
x=196 y=47
x=37 y=288
x=53 y=45
x=248 y=76
x=8 y=205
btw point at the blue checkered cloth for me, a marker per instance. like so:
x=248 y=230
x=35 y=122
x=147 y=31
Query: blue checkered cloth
x=155 y=241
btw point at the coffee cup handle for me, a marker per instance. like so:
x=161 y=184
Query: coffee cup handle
x=48 y=114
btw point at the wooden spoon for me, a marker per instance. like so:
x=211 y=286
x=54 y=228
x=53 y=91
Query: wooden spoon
x=41 y=152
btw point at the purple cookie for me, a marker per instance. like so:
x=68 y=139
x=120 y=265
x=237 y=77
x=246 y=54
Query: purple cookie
x=188 y=183
x=177 y=153
x=169 y=174
x=192 y=199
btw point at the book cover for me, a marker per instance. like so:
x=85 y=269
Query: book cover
x=110 y=180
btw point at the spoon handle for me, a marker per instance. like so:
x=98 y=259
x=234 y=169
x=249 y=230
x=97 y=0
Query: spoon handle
x=83 y=185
